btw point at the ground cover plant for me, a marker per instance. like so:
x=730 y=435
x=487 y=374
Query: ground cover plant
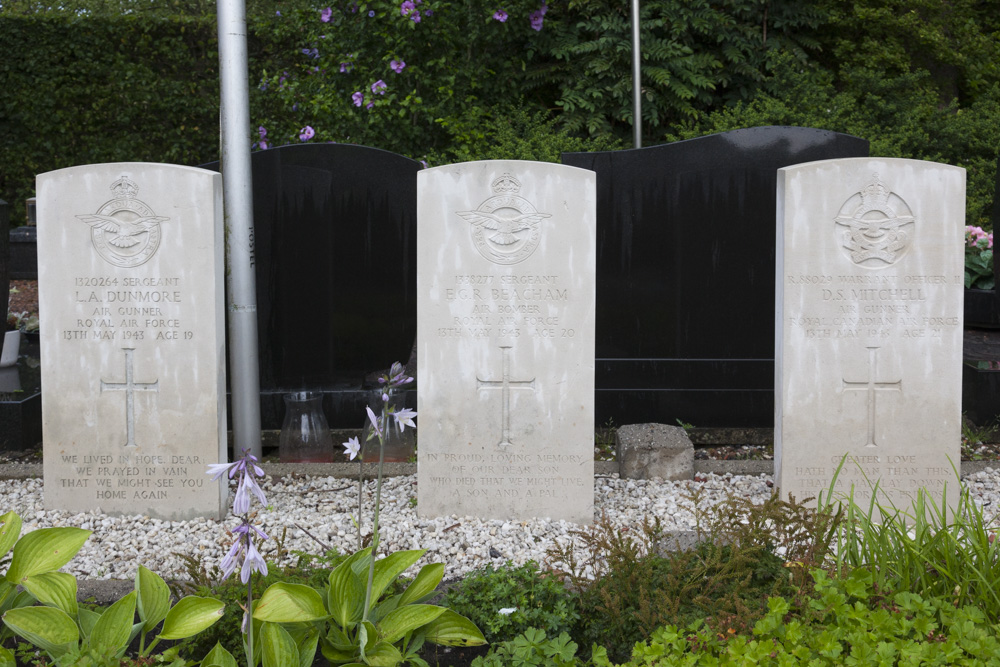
x=508 y=600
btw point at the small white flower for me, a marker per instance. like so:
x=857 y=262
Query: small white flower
x=351 y=448
x=507 y=611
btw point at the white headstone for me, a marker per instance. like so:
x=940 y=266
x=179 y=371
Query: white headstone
x=130 y=278
x=506 y=256
x=868 y=351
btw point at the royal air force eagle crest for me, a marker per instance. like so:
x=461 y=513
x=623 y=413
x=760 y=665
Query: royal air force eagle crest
x=505 y=227
x=125 y=231
x=880 y=225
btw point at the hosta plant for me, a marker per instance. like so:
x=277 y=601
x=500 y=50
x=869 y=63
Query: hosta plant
x=63 y=629
x=295 y=618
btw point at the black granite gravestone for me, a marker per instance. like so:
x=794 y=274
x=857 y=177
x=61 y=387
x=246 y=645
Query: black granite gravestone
x=335 y=239
x=685 y=273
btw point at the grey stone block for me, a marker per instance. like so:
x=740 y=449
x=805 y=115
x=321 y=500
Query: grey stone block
x=646 y=451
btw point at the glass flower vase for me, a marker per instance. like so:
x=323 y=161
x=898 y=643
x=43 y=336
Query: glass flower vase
x=305 y=434
x=399 y=447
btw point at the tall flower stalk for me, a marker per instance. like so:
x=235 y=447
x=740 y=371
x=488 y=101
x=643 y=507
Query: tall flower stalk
x=380 y=425
x=244 y=553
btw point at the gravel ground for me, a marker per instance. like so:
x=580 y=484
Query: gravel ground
x=326 y=507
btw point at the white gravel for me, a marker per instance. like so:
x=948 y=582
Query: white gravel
x=327 y=508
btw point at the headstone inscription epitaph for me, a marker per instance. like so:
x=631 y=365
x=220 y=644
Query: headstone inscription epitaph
x=336 y=263
x=505 y=340
x=685 y=273
x=869 y=322
x=132 y=338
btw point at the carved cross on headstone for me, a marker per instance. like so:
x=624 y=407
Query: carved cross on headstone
x=130 y=386
x=870 y=385
x=506 y=384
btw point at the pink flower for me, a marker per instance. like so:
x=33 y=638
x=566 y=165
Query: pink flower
x=326 y=15
x=500 y=15
x=307 y=133
x=397 y=66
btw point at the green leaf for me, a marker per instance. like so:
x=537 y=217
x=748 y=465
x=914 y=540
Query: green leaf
x=408 y=618
x=190 y=616
x=390 y=567
x=153 y=600
x=7 y=658
x=345 y=595
x=113 y=628
x=10 y=529
x=307 y=648
x=277 y=646
x=219 y=657
x=56 y=589
x=88 y=619
x=46 y=627
x=427 y=580
x=451 y=629
x=44 y=550
x=290 y=603
x=383 y=654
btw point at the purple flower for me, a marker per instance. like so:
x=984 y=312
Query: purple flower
x=253 y=561
x=424 y=162
x=538 y=17
x=406 y=7
x=358 y=98
x=397 y=66
x=415 y=16
x=374 y=421
x=379 y=87
x=262 y=131
x=369 y=105
x=312 y=53
x=326 y=15
x=371 y=13
x=428 y=12
x=306 y=133
x=500 y=15
x=263 y=145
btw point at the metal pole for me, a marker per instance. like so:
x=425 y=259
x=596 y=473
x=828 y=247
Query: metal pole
x=636 y=78
x=241 y=286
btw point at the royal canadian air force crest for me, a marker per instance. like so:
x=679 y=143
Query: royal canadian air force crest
x=505 y=227
x=125 y=231
x=880 y=225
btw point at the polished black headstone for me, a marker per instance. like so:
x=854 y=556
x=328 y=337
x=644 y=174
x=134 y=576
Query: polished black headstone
x=685 y=273
x=335 y=258
x=4 y=256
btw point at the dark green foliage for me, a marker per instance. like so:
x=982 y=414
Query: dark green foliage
x=529 y=649
x=724 y=581
x=696 y=55
x=539 y=599
x=513 y=133
x=85 y=90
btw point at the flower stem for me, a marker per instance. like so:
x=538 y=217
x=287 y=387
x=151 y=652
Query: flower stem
x=249 y=612
x=378 y=497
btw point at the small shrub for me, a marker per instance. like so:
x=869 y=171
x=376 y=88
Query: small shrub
x=529 y=649
x=629 y=585
x=487 y=596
